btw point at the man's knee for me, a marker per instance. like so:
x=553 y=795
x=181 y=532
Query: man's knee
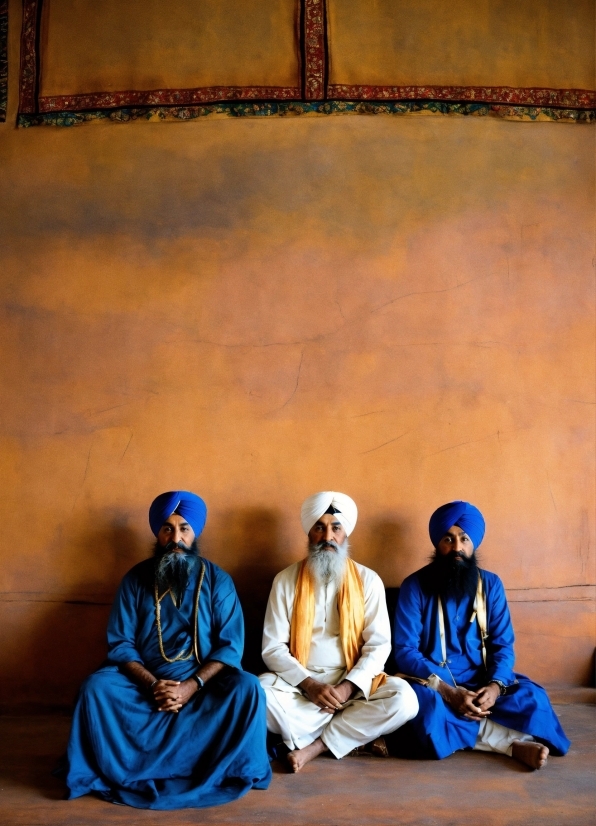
x=96 y=684
x=404 y=701
x=243 y=683
x=267 y=679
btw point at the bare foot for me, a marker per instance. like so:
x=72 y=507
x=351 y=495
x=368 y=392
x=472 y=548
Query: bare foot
x=532 y=754
x=300 y=757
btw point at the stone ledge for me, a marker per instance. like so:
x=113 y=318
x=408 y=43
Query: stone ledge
x=568 y=695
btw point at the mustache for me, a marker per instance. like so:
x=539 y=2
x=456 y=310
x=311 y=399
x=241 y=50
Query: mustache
x=172 y=545
x=321 y=546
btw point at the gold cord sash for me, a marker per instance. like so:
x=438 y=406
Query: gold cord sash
x=350 y=604
x=182 y=655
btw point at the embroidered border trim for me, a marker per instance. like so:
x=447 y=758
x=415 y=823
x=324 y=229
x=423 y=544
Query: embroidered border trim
x=314 y=49
x=512 y=96
x=166 y=97
x=298 y=108
x=28 y=77
x=3 y=58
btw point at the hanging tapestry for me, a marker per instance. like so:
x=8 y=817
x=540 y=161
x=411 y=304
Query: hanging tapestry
x=3 y=58
x=187 y=58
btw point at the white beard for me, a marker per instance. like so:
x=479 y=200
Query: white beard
x=328 y=566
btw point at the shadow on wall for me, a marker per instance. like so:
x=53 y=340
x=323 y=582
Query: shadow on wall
x=388 y=552
x=254 y=535
x=55 y=640
x=53 y=643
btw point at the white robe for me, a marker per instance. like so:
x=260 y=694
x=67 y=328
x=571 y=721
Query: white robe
x=364 y=717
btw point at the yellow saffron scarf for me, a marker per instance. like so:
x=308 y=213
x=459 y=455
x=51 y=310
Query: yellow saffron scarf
x=350 y=603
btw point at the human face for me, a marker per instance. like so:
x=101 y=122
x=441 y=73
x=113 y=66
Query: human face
x=176 y=529
x=457 y=542
x=327 y=529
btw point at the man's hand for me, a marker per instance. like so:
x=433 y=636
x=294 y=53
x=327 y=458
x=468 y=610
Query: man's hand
x=487 y=696
x=463 y=701
x=171 y=695
x=329 y=698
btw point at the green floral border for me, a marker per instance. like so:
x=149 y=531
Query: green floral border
x=3 y=58
x=296 y=108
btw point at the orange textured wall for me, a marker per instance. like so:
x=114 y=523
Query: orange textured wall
x=401 y=308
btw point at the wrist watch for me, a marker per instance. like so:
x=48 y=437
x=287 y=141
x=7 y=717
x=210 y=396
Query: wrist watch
x=502 y=687
x=199 y=682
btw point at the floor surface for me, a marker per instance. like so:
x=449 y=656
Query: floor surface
x=468 y=788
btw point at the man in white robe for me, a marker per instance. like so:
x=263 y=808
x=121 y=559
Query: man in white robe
x=326 y=639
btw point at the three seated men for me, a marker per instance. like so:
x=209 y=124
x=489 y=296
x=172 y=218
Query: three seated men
x=171 y=720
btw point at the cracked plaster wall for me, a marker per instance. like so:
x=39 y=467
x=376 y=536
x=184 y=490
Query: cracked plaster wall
x=398 y=308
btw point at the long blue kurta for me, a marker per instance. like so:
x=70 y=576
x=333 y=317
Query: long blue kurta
x=438 y=730
x=214 y=749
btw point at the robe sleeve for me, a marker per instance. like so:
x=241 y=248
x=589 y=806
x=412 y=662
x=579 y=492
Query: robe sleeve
x=499 y=646
x=122 y=624
x=276 y=634
x=408 y=632
x=376 y=636
x=227 y=623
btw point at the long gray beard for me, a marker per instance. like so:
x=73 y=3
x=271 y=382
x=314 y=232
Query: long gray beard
x=328 y=566
x=173 y=571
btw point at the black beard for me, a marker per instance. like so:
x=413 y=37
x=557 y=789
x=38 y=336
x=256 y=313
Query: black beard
x=173 y=568
x=453 y=575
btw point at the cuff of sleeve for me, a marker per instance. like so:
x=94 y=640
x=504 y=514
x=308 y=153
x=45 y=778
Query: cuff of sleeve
x=362 y=680
x=294 y=675
x=499 y=677
x=433 y=681
x=224 y=656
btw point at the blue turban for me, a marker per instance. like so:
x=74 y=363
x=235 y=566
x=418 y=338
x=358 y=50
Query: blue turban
x=462 y=514
x=190 y=506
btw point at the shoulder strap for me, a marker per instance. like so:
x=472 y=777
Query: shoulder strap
x=480 y=614
x=443 y=662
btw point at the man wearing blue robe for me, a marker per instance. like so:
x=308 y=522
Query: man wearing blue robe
x=171 y=721
x=468 y=694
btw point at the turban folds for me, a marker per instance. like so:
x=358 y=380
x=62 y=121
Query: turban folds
x=316 y=505
x=190 y=507
x=464 y=515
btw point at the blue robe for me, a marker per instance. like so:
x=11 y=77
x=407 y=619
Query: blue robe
x=438 y=730
x=214 y=749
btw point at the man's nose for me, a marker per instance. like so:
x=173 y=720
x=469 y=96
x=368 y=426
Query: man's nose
x=328 y=533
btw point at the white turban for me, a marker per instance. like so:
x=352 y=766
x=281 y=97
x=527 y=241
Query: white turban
x=316 y=505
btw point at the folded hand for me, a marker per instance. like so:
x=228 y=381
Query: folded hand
x=171 y=695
